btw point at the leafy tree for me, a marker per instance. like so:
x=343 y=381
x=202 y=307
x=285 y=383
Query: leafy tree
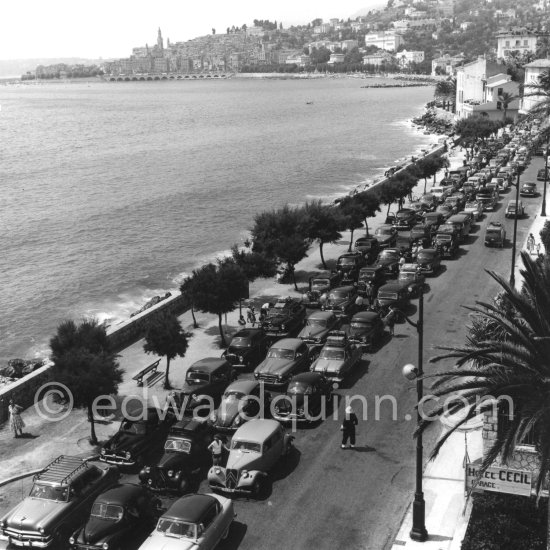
x=217 y=289
x=430 y=166
x=505 y=99
x=509 y=362
x=253 y=264
x=352 y=215
x=474 y=128
x=370 y=205
x=165 y=337
x=322 y=224
x=545 y=236
x=84 y=361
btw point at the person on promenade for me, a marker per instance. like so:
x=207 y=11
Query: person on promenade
x=369 y=293
x=530 y=243
x=348 y=427
x=16 y=422
x=251 y=315
x=216 y=448
x=389 y=321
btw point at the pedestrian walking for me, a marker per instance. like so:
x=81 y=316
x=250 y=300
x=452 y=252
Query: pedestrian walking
x=538 y=249
x=369 y=292
x=530 y=243
x=389 y=321
x=216 y=448
x=251 y=315
x=16 y=422
x=348 y=427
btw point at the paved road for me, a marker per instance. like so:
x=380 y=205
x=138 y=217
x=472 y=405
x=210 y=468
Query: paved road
x=326 y=497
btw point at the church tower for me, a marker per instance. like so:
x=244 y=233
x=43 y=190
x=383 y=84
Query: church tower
x=159 y=41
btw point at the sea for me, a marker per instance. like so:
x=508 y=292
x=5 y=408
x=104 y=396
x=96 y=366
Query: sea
x=111 y=193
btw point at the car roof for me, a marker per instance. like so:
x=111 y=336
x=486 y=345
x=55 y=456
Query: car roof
x=208 y=364
x=427 y=251
x=288 y=343
x=247 y=332
x=257 y=429
x=244 y=386
x=384 y=226
x=185 y=427
x=321 y=315
x=365 y=316
x=393 y=286
x=370 y=268
x=191 y=508
x=346 y=288
x=121 y=494
x=310 y=378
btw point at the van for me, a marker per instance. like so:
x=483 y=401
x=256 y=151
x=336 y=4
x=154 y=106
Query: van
x=463 y=222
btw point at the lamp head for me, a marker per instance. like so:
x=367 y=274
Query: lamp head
x=410 y=372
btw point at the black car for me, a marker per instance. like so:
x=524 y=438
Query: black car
x=366 y=329
x=247 y=348
x=386 y=235
x=185 y=451
x=446 y=244
x=137 y=437
x=374 y=275
x=392 y=295
x=421 y=234
x=528 y=189
x=205 y=382
x=433 y=220
x=284 y=319
x=389 y=260
x=405 y=219
x=429 y=261
x=341 y=300
x=306 y=398
x=368 y=246
x=319 y=285
x=116 y=516
x=348 y=265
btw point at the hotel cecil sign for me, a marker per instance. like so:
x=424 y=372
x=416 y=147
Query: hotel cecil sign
x=499 y=480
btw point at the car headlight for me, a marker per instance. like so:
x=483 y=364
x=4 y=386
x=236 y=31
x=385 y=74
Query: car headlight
x=105 y=546
x=279 y=377
x=41 y=530
x=237 y=420
x=244 y=474
x=241 y=358
x=103 y=451
x=170 y=473
x=128 y=455
x=217 y=471
x=177 y=474
x=283 y=327
x=363 y=338
x=147 y=469
x=256 y=375
x=194 y=396
x=71 y=540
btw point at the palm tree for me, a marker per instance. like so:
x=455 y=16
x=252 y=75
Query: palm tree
x=507 y=353
x=541 y=91
x=446 y=90
x=505 y=99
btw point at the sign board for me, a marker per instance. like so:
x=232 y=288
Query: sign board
x=499 y=480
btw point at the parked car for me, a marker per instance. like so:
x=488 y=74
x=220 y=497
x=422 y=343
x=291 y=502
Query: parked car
x=337 y=358
x=305 y=400
x=421 y=233
x=462 y=223
x=241 y=401
x=205 y=381
x=389 y=260
x=319 y=286
x=503 y=184
x=412 y=276
x=542 y=174
x=487 y=198
x=194 y=521
x=185 y=451
x=445 y=210
x=386 y=235
x=373 y=275
x=366 y=330
x=247 y=348
x=446 y=244
x=405 y=219
x=285 y=358
x=368 y=246
x=495 y=234
x=116 y=515
x=528 y=189
x=433 y=220
x=348 y=265
x=392 y=295
x=475 y=208
x=429 y=200
x=137 y=438
x=514 y=210
x=429 y=261
x=256 y=448
x=59 y=501
x=317 y=326
x=441 y=192
x=341 y=300
x=285 y=318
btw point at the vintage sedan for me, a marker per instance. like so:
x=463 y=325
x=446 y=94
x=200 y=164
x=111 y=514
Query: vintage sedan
x=116 y=515
x=528 y=189
x=242 y=401
x=446 y=244
x=205 y=382
x=255 y=449
x=137 y=438
x=247 y=348
x=185 y=450
x=373 y=275
x=341 y=301
x=389 y=260
x=285 y=358
x=59 y=501
x=412 y=276
x=475 y=208
x=368 y=246
x=285 y=318
x=514 y=210
x=366 y=330
x=405 y=219
x=319 y=286
x=348 y=266
x=433 y=220
x=495 y=235
x=337 y=358
x=197 y=522
x=386 y=235
x=429 y=261
x=421 y=234
x=392 y=295
x=318 y=325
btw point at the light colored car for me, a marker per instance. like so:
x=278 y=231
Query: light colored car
x=475 y=209
x=318 y=325
x=192 y=522
x=514 y=210
x=441 y=192
x=255 y=449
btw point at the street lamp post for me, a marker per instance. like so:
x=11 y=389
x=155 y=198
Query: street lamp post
x=418 y=532
x=512 y=274
x=543 y=211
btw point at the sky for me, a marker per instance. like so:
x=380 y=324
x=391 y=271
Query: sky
x=111 y=28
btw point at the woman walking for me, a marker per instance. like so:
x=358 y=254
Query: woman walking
x=16 y=422
x=348 y=428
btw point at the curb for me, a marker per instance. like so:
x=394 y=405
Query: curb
x=17 y=477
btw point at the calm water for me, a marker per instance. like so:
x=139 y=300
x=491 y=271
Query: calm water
x=111 y=193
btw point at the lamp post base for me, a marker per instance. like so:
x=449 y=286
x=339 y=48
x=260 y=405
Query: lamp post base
x=418 y=532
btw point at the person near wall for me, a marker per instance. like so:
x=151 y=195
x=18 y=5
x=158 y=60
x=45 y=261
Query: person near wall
x=16 y=422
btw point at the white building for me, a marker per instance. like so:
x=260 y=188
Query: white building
x=532 y=72
x=520 y=40
x=385 y=40
x=405 y=58
x=336 y=58
x=492 y=104
x=446 y=64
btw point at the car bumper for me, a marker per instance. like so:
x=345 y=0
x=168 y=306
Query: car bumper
x=24 y=542
x=117 y=460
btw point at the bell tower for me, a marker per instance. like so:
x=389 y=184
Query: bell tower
x=160 y=41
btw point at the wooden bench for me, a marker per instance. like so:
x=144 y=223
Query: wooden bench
x=152 y=368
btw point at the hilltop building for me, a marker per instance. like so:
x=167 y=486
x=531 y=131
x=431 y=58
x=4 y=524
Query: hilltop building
x=385 y=40
x=516 y=40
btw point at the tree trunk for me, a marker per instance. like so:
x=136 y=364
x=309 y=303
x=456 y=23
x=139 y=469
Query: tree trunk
x=195 y=324
x=224 y=344
x=93 y=437
x=321 y=252
x=294 y=277
x=425 y=183
x=166 y=381
x=367 y=227
x=350 y=240
x=387 y=213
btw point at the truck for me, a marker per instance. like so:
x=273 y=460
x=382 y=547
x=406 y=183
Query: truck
x=495 y=234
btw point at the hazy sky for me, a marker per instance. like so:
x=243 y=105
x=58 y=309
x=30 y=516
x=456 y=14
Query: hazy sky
x=101 y=28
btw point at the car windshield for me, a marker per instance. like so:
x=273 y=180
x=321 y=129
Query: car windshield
x=46 y=492
x=110 y=512
x=387 y=295
x=280 y=353
x=234 y=394
x=320 y=283
x=136 y=428
x=388 y=254
x=246 y=446
x=346 y=261
x=407 y=275
x=178 y=445
x=338 y=294
x=176 y=528
x=197 y=377
x=424 y=255
x=493 y=231
x=362 y=325
x=316 y=322
x=280 y=305
x=443 y=237
x=332 y=353
x=384 y=231
x=240 y=342
x=299 y=388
